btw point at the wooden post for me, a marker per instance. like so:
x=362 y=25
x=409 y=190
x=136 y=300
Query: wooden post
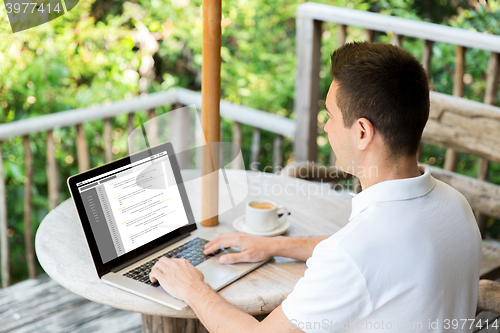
x=255 y=148
x=108 y=143
x=210 y=90
x=28 y=238
x=52 y=172
x=490 y=97
x=458 y=79
x=152 y=129
x=396 y=39
x=130 y=123
x=156 y=324
x=180 y=135
x=277 y=155
x=82 y=149
x=308 y=49
x=369 y=35
x=451 y=158
x=4 y=239
x=221 y=147
x=237 y=144
x=341 y=34
x=426 y=59
x=492 y=79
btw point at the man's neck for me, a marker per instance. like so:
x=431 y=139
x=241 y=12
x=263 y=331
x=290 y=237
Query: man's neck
x=405 y=167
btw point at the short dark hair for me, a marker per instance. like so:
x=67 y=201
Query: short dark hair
x=386 y=85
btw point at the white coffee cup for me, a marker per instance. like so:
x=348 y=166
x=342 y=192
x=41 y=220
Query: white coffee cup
x=262 y=215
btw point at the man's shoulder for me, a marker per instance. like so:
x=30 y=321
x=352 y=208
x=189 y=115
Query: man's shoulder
x=386 y=222
x=451 y=201
x=448 y=193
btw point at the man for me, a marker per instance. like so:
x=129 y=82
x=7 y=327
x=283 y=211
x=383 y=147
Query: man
x=410 y=255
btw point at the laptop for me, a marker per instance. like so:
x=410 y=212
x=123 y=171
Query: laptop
x=135 y=210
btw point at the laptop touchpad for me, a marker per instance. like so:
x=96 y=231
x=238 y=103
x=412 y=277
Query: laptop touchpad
x=216 y=273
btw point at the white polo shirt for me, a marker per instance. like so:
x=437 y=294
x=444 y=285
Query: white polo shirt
x=408 y=260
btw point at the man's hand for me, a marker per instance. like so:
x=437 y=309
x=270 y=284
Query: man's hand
x=253 y=248
x=179 y=278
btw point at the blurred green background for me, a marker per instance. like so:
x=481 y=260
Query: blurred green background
x=91 y=55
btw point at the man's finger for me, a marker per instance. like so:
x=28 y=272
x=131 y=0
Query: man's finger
x=230 y=235
x=216 y=244
x=233 y=258
x=164 y=260
x=216 y=240
x=155 y=271
x=161 y=267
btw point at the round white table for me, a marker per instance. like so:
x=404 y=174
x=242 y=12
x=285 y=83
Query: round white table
x=315 y=209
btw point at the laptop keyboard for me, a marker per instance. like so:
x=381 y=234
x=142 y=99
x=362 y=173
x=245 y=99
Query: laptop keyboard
x=192 y=251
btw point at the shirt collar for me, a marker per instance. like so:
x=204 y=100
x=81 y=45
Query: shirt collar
x=394 y=190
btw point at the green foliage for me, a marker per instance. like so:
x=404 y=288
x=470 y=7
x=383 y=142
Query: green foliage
x=92 y=55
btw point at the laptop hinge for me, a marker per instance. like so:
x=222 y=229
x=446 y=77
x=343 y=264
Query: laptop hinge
x=150 y=252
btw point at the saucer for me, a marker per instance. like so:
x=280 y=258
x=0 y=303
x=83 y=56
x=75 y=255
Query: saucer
x=240 y=225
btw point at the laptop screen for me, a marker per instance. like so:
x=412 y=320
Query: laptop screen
x=132 y=205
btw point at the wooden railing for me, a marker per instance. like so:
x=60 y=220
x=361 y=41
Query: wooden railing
x=310 y=17
x=455 y=123
x=472 y=138
x=260 y=120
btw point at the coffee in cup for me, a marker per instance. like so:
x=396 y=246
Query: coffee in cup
x=262 y=215
x=261 y=205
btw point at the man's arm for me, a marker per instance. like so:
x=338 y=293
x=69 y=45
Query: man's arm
x=300 y=248
x=219 y=316
x=182 y=280
x=255 y=248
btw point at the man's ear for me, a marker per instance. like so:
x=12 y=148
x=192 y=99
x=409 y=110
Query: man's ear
x=364 y=133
